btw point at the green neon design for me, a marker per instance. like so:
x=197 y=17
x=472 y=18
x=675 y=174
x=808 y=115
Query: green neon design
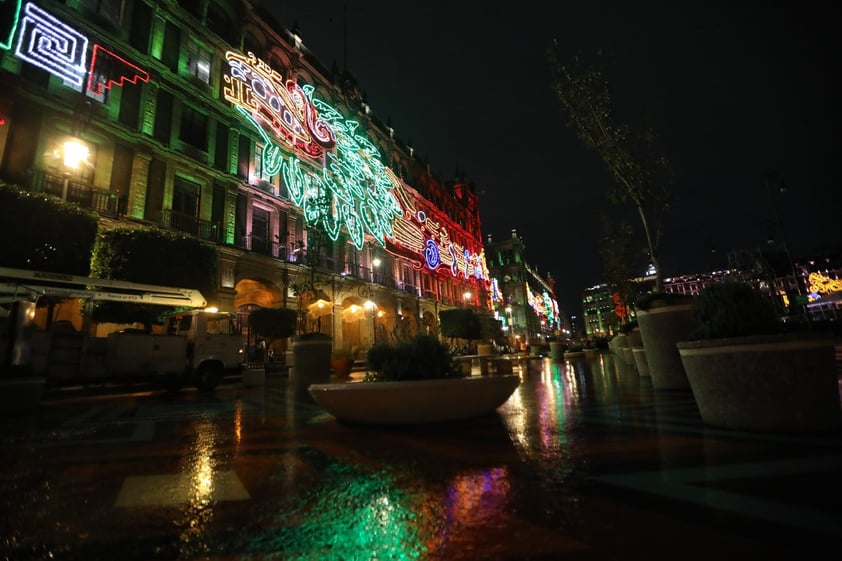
x=353 y=184
x=7 y=42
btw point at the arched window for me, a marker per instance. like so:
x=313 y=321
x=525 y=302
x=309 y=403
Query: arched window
x=221 y=24
x=252 y=44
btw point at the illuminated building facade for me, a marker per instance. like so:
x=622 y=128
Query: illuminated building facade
x=598 y=310
x=210 y=119
x=804 y=285
x=522 y=299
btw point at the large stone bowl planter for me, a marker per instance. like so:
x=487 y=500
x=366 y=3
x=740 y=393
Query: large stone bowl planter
x=780 y=383
x=640 y=362
x=311 y=360
x=661 y=327
x=415 y=402
x=557 y=351
x=618 y=343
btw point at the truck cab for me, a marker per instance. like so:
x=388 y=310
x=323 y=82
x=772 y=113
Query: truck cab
x=214 y=345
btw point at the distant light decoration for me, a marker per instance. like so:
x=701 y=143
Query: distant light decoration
x=620 y=310
x=496 y=294
x=108 y=70
x=550 y=309
x=822 y=284
x=11 y=16
x=51 y=45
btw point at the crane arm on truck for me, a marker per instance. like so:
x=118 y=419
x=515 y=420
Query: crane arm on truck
x=21 y=284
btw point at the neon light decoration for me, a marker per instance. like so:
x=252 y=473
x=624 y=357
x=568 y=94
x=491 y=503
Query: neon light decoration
x=333 y=172
x=281 y=106
x=52 y=46
x=9 y=16
x=496 y=294
x=59 y=49
x=108 y=69
x=821 y=284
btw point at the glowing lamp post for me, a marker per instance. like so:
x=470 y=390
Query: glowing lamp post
x=466 y=297
x=509 y=318
x=75 y=154
x=371 y=304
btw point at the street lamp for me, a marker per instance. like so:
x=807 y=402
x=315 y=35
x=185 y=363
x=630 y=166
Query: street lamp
x=371 y=304
x=509 y=319
x=466 y=297
x=75 y=154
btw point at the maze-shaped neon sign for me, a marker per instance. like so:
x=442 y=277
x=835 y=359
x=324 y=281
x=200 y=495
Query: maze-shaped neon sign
x=52 y=45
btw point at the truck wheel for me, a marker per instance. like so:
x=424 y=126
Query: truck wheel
x=208 y=377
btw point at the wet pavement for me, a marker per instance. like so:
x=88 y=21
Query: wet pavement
x=585 y=461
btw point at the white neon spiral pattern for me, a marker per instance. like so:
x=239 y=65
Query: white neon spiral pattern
x=53 y=46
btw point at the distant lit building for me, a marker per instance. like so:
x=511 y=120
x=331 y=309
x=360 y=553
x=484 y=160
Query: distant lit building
x=598 y=308
x=521 y=297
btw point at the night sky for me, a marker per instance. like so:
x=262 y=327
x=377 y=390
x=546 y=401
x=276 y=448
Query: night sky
x=737 y=95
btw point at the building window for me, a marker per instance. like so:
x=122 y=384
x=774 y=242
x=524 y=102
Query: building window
x=221 y=159
x=251 y=44
x=109 y=10
x=259 y=169
x=243 y=157
x=198 y=62
x=221 y=24
x=172 y=44
x=194 y=127
x=130 y=96
x=141 y=23
x=163 y=117
x=260 y=230
x=185 y=197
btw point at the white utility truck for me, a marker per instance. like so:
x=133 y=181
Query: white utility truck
x=198 y=346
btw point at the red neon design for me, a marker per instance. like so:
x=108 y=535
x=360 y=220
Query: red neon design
x=104 y=67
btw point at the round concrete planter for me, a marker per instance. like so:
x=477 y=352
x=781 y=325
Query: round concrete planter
x=415 y=402
x=253 y=377
x=618 y=343
x=640 y=362
x=557 y=351
x=661 y=328
x=781 y=383
x=311 y=360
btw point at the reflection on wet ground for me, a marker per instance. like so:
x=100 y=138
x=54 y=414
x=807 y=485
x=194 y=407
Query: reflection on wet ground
x=585 y=461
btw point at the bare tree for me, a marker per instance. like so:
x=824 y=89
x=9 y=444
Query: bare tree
x=634 y=161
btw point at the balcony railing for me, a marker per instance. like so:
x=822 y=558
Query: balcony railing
x=263 y=246
x=84 y=194
x=202 y=229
